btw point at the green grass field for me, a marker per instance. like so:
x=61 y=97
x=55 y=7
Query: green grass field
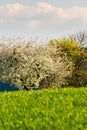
x=54 y=109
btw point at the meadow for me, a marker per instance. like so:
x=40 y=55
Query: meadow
x=52 y=109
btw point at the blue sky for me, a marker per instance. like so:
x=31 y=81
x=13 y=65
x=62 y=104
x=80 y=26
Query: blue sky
x=60 y=3
x=43 y=18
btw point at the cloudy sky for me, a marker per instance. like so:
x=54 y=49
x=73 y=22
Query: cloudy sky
x=43 y=18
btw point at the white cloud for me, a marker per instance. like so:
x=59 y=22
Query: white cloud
x=34 y=23
x=43 y=9
x=41 y=16
x=10 y=9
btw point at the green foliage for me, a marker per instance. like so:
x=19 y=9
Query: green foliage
x=54 y=109
x=60 y=62
x=78 y=56
x=68 y=46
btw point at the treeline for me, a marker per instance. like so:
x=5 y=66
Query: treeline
x=58 y=63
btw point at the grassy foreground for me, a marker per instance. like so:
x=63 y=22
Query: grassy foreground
x=54 y=109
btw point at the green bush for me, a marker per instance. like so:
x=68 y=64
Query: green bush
x=78 y=56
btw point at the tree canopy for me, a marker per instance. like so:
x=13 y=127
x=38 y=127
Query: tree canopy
x=32 y=65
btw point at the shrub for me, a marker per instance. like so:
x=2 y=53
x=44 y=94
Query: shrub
x=78 y=56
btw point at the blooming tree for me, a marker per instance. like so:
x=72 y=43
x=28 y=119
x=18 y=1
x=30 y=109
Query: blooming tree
x=27 y=64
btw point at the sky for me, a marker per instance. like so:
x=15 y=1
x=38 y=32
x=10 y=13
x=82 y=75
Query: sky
x=42 y=18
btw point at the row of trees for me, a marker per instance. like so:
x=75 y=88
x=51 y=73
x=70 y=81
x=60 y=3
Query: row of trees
x=58 y=63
